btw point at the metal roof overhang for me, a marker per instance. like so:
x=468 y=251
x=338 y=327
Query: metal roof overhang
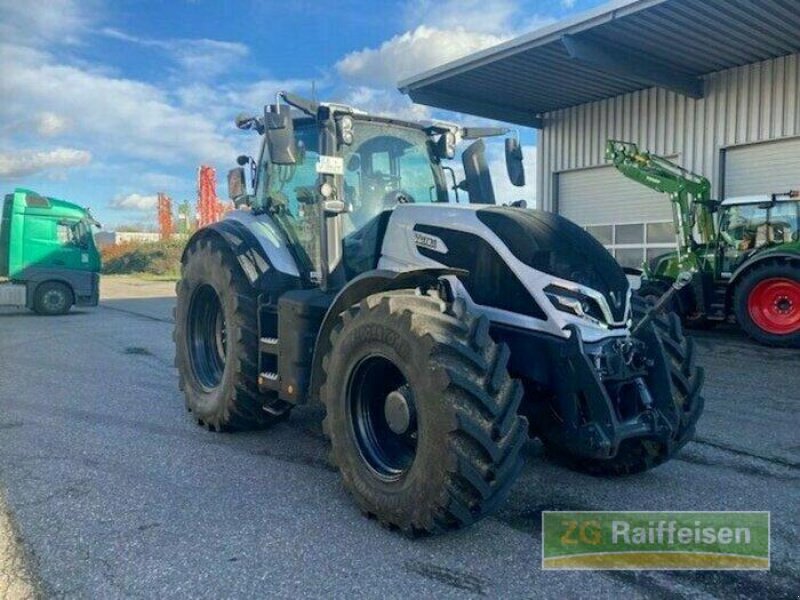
x=621 y=47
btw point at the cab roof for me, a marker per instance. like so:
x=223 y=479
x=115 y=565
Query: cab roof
x=760 y=199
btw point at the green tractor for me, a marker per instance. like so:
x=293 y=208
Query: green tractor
x=743 y=253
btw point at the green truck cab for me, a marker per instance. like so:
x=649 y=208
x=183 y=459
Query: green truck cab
x=48 y=258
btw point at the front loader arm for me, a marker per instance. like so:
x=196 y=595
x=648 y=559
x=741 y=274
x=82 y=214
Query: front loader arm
x=689 y=193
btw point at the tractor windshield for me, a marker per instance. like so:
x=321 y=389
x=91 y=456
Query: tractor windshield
x=387 y=164
x=750 y=226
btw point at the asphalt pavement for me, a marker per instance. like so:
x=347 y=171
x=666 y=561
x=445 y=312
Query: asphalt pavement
x=116 y=493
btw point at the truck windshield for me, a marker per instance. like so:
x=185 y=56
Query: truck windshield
x=384 y=161
x=82 y=234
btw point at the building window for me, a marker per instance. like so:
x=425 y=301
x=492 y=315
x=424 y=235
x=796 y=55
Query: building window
x=632 y=243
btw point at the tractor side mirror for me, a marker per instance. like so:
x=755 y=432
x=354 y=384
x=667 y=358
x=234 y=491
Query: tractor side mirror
x=514 y=166
x=237 y=188
x=280 y=134
x=477 y=176
x=445 y=147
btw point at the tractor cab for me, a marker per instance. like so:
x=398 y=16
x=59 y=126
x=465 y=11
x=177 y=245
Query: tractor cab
x=331 y=168
x=749 y=224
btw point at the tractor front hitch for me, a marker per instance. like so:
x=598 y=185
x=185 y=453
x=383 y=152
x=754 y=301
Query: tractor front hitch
x=611 y=392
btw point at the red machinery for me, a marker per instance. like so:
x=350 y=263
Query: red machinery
x=209 y=207
x=165 y=226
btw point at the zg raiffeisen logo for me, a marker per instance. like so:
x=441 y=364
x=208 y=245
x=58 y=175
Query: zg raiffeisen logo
x=655 y=540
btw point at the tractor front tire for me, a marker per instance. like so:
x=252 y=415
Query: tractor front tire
x=216 y=341
x=421 y=412
x=636 y=455
x=767 y=304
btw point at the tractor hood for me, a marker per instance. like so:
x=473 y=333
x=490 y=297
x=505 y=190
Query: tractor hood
x=556 y=246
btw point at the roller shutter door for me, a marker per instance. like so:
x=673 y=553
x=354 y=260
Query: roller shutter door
x=762 y=168
x=604 y=195
x=632 y=221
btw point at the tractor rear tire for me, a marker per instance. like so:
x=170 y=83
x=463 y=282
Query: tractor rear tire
x=636 y=455
x=767 y=304
x=421 y=412
x=52 y=298
x=216 y=341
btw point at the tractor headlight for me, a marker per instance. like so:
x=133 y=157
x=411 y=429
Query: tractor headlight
x=346 y=130
x=574 y=302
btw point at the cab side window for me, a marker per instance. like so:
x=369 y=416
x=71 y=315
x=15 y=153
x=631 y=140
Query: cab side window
x=65 y=234
x=292 y=191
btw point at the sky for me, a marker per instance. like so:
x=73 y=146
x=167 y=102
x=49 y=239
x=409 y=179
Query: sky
x=106 y=103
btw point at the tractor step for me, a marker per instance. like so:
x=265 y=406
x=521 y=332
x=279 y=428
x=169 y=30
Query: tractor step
x=269 y=381
x=268 y=345
x=276 y=407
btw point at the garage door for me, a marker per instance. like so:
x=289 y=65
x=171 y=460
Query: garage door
x=632 y=221
x=762 y=168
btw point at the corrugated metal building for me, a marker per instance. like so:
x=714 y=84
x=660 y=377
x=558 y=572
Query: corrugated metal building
x=712 y=84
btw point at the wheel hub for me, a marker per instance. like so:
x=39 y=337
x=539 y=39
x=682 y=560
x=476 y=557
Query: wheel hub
x=382 y=414
x=53 y=300
x=207 y=336
x=398 y=411
x=774 y=305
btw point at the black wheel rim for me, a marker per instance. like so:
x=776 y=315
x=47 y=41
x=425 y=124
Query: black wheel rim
x=207 y=337
x=388 y=453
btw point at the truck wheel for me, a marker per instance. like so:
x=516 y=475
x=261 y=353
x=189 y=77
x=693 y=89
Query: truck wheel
x=52 y=298
x=636 y=455
x=421 y=412
x=767 y=304
x=216 y=341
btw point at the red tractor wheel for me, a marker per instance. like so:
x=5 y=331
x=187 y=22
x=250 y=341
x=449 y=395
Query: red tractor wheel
x=774 y=305
x=767 y=304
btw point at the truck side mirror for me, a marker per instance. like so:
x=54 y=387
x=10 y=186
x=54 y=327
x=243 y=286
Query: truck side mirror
x=237 y=187
x=514 y=166
x=280 y=134
x=477 y=176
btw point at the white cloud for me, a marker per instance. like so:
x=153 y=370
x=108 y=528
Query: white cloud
x=115 y=116
x=164 y=181
x=438 y=32
x=135 y=202
x=49 y=124
x=567 y=3
x=479 y=16
x=54 y=21
x=21 y=163
x=387 y=102
x=411 y=52
x=197 y=58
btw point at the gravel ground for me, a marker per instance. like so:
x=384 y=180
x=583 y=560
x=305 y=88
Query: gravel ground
x=117 y=494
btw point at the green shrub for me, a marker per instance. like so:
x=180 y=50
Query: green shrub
x=153 y=258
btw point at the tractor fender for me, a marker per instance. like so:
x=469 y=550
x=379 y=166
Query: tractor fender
x=256 y=243
x=757 y=260
x=367 y=284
